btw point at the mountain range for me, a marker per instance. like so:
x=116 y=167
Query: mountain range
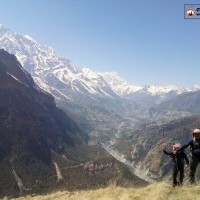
x=96 y=101
x=106 y=106
x=149 y=95
x=81 y=92
x=65 y=81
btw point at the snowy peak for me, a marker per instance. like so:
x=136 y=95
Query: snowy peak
x=119 y=85
x=195 y=88
x=96 y=77
x=90 y=74
x=113 y=78
x=57 y=75
x=53 y=71
x=123 y=88
x=162 y=89
x=30 y=38
x=148 y=95
x=26 y=48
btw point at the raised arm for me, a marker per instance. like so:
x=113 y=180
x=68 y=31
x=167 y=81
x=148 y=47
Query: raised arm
x=167 y=153
x=185 y=146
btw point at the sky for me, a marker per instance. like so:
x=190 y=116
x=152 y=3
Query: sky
x=145 y=42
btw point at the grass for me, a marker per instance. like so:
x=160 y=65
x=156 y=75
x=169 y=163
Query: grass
x=158 y=191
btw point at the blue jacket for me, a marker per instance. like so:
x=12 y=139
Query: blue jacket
x=194 y=147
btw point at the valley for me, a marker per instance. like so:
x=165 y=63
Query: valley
x=73 y=128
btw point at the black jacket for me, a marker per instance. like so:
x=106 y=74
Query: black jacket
x=178 y=157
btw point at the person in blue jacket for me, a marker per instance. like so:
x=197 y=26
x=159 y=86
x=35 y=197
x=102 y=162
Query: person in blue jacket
x=178 y=163
x=194 y=144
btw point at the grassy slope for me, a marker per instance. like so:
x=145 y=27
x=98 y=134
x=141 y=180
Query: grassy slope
x=159 y=191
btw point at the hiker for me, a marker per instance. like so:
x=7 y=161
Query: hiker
x=178 y=162
x=195 y=153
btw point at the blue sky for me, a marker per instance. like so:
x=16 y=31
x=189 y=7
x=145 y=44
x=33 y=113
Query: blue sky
x=146 y=42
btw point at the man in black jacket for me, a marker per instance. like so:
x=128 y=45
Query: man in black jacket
x=195 y=152
x=178 y=163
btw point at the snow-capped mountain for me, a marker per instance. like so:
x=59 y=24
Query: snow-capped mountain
x=53 y=73
x=79 y=85
x=82 y=93
x=120 y=86
x=147 y=95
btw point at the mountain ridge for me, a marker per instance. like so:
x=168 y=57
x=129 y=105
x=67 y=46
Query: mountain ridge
x=31 y=128
x=41 y=148
x=57 y=72
x=148 y=95
x=42 y=62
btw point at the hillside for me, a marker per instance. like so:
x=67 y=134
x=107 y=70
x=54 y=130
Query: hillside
x=159 y=191
x=189 y=102
x=41 y=148
x=141 y=146
x=34 y=133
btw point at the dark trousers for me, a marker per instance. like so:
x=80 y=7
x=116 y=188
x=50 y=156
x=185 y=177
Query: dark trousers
x=178 y=168
x=193 y=166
